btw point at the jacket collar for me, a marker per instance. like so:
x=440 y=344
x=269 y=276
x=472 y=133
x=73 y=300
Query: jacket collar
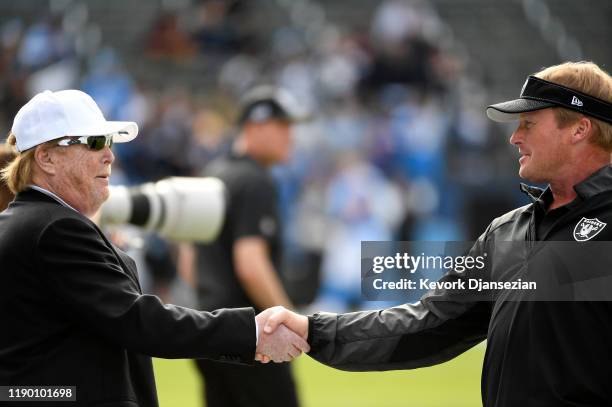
x=52 y=195
x=32 y=195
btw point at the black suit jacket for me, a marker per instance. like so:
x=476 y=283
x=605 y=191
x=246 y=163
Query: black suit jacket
x=72 y=312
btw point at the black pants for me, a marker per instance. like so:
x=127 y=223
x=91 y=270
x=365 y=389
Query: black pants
x=260 y=385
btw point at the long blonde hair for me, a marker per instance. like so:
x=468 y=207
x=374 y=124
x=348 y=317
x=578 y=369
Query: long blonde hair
x=17 y=175
x=6 y=196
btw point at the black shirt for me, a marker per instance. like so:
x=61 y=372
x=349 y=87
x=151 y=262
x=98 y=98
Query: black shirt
x=252 y=211
x=545 y=219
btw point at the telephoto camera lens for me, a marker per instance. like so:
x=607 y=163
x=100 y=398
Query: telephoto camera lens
x=178 y=208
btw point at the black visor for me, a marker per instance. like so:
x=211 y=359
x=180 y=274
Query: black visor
x=263 y=110
x=539 y=94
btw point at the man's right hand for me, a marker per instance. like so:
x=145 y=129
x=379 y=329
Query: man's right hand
x=269 y=321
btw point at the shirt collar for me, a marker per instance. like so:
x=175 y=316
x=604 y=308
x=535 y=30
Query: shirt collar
x=598 y=182
x=52 y=195
x=547 y=198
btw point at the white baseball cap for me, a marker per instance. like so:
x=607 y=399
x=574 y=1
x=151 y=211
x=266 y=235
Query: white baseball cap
x=52 y=115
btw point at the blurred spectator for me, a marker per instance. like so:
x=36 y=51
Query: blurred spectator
x=60 y=75
x=210 y=132
x=407 y=62
x=402 y=54
x=396 y=20
x=12 y=80
x=361 y=205
x=342 y=65
x=167 y=40
x=240 y=73
x=419 y=132
x=215 y=30
x=168 y=142
x=108 y=83
x=43 y=43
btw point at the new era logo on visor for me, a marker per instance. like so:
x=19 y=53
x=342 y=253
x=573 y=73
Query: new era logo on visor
x=576 y=101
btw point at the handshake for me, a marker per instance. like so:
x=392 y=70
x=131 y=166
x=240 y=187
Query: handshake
x=282 y=335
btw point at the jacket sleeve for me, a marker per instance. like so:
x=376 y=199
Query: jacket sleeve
x=441 y=326
x=91 y=289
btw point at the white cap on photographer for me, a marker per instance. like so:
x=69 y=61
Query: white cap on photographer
x=52 y=115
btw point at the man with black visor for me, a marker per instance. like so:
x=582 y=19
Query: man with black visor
x=550 y=346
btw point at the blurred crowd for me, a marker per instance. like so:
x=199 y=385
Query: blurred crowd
x=397 y=145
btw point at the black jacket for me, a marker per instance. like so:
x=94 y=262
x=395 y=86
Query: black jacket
x=72 y=312
x=539 y=353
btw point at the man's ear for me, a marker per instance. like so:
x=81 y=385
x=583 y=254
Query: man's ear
x=583 y=129
x=46 y=160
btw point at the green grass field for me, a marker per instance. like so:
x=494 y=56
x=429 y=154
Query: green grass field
x=452 y=384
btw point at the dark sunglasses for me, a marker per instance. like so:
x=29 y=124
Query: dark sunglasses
x=95 y=143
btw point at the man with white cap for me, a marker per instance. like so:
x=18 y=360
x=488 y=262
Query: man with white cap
x=71 y=308
x=539 y=352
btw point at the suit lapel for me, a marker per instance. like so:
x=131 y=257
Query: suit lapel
x=127 y=264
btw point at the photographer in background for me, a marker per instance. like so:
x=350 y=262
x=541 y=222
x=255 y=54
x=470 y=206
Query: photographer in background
x=241 y=268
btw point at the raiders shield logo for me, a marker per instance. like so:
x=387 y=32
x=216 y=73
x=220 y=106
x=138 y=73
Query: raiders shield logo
x=587 y=229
